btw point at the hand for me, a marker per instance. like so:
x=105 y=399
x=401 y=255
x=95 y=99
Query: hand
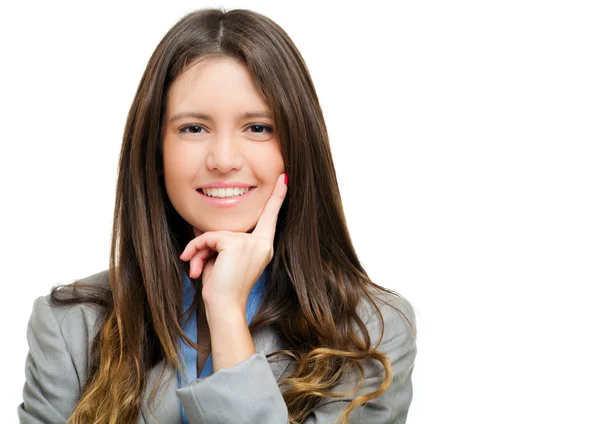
x=241 y=258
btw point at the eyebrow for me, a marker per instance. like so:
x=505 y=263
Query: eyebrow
x=199 y=115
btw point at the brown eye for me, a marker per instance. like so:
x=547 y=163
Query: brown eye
x=193 y=129
x=260 y=129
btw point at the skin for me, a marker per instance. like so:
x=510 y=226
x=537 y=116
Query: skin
x=233 y=245
x=226 y=147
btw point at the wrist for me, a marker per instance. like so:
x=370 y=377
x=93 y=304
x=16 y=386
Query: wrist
x=219 y=312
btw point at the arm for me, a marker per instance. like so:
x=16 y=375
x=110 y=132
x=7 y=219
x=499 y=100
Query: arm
x=230 y=338
x=249 y=393
x=51 y=387
x=241 y=381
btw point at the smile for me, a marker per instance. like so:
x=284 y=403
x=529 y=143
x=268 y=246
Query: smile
x=224 y=193
x=225 y=197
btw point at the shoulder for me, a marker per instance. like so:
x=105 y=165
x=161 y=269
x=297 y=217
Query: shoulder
x=391 y=325
x=83 y=287
x=69 y=314
x=76 y=324
x=59 y=337
x=396 y=311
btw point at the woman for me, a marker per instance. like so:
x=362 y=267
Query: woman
x=233 y=295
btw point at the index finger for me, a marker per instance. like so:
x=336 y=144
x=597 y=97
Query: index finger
x=265 y=227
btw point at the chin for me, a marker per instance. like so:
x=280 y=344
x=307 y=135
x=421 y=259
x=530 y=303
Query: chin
x=233 y=227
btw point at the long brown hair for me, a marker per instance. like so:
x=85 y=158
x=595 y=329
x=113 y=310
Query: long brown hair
x=316 y=281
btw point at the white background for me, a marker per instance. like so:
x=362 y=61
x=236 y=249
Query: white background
x=466 y=139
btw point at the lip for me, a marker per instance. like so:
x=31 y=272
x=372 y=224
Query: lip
x=226 y=184
x=226 y=203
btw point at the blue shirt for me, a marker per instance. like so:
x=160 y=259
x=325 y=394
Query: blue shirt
x=190 y=355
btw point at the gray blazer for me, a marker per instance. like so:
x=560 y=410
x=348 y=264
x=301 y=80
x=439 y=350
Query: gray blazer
x=60 y=337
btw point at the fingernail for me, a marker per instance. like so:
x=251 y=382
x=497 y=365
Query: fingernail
x=285 y=179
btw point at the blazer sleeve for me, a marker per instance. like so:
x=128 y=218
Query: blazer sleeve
x=249 y=393
x=51 y=387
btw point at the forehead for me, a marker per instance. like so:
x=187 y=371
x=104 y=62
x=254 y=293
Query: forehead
x=215 y=82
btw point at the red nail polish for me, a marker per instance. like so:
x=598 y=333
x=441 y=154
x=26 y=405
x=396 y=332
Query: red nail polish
x=285 y=179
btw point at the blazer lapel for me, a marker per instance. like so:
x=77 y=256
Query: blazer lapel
x=167 y=408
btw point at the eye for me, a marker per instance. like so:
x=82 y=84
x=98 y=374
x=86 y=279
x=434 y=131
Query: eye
x=196 y=129
x=260 y=128
x=193 y=129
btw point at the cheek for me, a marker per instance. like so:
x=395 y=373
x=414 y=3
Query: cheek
x=269 y=163
x=178 y=173
x=178 y=161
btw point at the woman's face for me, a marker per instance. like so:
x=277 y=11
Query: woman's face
x=219 y=132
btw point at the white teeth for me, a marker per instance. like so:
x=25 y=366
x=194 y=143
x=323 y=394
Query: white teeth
x=225 y=192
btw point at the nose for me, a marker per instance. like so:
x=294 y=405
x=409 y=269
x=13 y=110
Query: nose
x=224 y=154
